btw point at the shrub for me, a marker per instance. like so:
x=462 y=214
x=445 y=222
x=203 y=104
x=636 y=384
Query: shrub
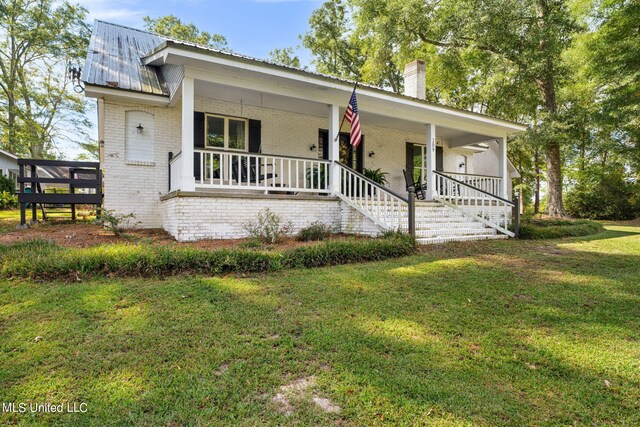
x=604 y=195
x=268 y=227
x=45 y=261
x=114 y=222
x=557 y=228
x=8 y=200
x=7 y=185
x=315 y=231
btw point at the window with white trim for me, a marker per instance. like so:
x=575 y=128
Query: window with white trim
x=229 y=133
x=139 y=128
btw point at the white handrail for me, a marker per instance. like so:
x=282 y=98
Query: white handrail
x=490 y=184
x=491 y=210
x=253 y=171
x=175 y=168
x=381 y=205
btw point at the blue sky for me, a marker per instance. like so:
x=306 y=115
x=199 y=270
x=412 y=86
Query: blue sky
x=252 y=27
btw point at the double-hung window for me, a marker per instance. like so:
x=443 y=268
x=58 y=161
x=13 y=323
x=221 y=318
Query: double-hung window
x=228 y=133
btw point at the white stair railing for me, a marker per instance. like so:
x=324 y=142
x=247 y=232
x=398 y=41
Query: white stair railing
x=252 y=171
x=175 y=168
x=384 y=207
x=490 y=184
x=491 y=210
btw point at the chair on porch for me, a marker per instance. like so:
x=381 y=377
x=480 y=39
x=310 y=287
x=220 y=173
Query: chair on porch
x=249 y=171
x=419 y=189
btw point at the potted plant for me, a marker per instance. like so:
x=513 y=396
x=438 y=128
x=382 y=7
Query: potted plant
x=377 y=176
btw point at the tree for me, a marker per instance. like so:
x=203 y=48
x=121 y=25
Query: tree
x=37 y=106
x=285 y=56
x=172 y=26
x=503 y=51
x=336 y=51
x=613 y=53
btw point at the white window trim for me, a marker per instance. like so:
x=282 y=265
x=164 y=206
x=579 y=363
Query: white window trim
x=226 y=132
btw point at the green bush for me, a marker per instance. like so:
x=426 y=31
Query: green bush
x=268 y=227
x=8 y=200
x=604 y=196
x=315 y=231
x=114 y=222
x=557 y=228
x=45 y=261
x=7 y=185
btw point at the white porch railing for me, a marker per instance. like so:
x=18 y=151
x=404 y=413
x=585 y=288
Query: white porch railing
x=252 y=171
x=490 y=184
x=492 y=210
x=384 y=207
x=175 y=169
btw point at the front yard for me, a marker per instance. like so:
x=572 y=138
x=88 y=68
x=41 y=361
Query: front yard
x=486 y=333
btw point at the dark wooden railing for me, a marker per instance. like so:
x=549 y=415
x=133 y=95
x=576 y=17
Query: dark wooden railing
x=74 y=176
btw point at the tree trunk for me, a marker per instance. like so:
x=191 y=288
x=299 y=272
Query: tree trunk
x=554 y=180
x=552 y=150
x=536 y=194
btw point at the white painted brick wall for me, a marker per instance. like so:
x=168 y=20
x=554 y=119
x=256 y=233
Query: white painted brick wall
x=137 y=188
x=196 y=218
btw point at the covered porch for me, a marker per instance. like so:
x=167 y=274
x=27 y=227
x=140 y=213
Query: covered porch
x=243 y=139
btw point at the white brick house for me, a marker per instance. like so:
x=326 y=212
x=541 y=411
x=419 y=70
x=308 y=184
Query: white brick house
x=198 y=141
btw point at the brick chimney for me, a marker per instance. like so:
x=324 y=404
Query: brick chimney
x=415 y=79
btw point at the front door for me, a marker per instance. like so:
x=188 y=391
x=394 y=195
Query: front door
x=348 y=156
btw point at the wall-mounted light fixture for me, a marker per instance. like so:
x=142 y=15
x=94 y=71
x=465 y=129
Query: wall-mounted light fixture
x=372 y=153
x=461 y=165
x=139 y=128
x=313 y=147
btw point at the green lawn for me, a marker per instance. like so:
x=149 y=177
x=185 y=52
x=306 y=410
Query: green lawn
x=490 y=333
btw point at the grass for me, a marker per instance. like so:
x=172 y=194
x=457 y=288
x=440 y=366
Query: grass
x=489 y=333
x=9 y=219
x=549 y=228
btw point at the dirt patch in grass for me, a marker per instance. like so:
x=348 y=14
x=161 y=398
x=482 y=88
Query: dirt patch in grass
x=82 y=235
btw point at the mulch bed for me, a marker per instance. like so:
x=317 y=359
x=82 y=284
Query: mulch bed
x=82 y=235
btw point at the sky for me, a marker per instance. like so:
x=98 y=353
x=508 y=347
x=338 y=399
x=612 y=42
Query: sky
x=252 y=27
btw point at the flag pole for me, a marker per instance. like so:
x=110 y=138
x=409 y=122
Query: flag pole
x=344 y=116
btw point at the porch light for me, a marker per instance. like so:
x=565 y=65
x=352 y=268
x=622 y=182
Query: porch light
x=372 y=153
x=139 y=128
x=461 y=165
x=313 y=147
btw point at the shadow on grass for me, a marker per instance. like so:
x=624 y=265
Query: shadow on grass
x=517 y=333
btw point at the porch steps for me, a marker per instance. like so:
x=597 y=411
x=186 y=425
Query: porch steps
x=437 y=223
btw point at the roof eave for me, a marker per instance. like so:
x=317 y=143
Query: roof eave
x=159 y=56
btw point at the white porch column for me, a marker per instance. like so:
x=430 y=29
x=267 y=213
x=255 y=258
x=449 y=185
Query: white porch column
x=503 y=170
x=430 y=153
x=334 y=147
x=188 y=182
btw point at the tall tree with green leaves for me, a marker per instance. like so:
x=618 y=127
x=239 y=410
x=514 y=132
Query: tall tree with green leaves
x=172 y=26
x=613 y=53
x=285 y=56
x=37 y=104
x=522 y=40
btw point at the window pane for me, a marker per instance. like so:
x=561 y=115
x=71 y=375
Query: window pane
x=215 y=132
x=418 y=162
x=237 y=134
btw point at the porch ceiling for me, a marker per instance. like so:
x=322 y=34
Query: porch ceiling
x=296 y=105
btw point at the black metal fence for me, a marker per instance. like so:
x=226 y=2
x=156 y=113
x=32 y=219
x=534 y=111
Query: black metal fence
x=81 y=183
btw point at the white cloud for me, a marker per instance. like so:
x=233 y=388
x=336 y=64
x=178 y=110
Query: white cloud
x=116 y=11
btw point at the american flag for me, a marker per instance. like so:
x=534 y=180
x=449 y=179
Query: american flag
x=353 y=117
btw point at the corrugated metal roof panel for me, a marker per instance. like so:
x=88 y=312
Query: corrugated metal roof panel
x=114 y=59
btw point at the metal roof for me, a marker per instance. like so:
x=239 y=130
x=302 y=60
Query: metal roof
x=114 y=59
